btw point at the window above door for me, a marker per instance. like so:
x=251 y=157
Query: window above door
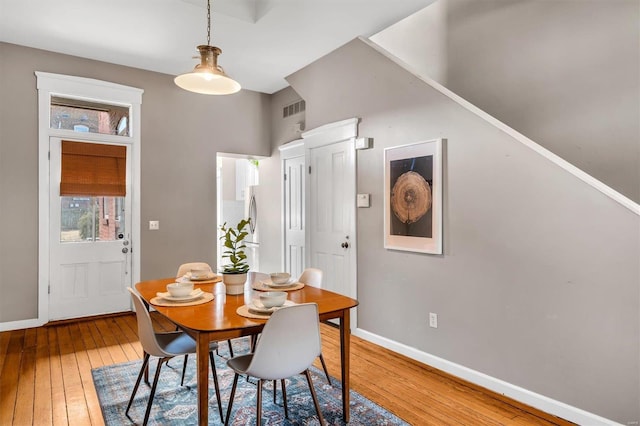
x=87 y=116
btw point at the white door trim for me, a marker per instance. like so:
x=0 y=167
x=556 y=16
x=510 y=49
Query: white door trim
x=88 y=89
x=287 y=151
x=324 y=135
x=336 y=131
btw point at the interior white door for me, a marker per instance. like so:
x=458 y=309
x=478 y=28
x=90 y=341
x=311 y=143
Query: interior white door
x=90 y=256
x=294 y=220
x=332 y=214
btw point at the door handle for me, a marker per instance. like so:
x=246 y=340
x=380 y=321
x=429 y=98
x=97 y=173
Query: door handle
x=253 y=215
x=125 y=250
x=344 y=245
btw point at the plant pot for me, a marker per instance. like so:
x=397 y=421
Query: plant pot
x=234 y=283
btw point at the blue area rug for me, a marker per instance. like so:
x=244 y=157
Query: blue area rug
x=176 y=405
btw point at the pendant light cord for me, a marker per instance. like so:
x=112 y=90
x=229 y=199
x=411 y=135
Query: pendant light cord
x=208 y=22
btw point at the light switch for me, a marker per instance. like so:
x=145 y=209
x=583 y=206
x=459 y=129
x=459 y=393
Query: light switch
x=154 y=225
x=363 y=200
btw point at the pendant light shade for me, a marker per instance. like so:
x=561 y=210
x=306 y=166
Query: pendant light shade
x=208 y=77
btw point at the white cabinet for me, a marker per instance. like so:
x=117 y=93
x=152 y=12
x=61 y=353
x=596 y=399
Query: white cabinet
x=241 y=178
x=246 y=175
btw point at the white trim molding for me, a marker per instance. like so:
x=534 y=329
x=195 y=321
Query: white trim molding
x=292 y=149
x=578 y=173
x=49 y=84
x=20 y=324
x=338 y=131
x=541 y=402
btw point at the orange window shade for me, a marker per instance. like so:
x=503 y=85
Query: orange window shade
x=93 y=169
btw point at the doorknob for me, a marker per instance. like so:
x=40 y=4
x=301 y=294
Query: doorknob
x=125 y=250
x=344 y=245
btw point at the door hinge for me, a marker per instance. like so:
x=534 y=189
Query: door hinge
x=49 y=289
x=49 y=155
x=285 y=176
x=309 y=169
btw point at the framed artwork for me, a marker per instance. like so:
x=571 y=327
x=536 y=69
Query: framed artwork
x=413 y=197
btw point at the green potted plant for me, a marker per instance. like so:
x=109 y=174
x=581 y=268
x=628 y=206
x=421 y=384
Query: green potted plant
x=234 y=272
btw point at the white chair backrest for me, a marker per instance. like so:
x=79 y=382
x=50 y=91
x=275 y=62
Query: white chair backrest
x=289 y=343
x=312 y=277
x=186 y=267
x=146 y=333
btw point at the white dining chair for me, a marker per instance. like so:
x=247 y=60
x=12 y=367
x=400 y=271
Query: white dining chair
x=164 y=345
x=187 y=267
x=182 y=271
x=289 y=343
x=313 y=277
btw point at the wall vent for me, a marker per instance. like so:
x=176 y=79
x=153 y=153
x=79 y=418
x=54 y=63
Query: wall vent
x=293 y=109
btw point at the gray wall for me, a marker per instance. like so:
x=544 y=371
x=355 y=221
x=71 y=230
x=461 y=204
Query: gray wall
x=181 y=133
x=538 y=284
x=564 y=73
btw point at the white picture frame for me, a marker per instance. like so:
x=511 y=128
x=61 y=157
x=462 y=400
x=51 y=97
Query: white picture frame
x=413 y=197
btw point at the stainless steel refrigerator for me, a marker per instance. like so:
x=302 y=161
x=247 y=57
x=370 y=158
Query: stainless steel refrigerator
x=251 y=211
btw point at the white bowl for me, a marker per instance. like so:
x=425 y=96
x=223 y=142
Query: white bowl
x=280 y=277
x=180 y=289
x=271 y=299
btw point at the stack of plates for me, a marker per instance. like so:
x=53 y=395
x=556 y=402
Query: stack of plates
x=207 y=277
x=195 y=294
x=291 y=283
x=256 y=307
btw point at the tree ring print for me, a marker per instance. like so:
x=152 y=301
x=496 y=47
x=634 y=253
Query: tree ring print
x=410 y=197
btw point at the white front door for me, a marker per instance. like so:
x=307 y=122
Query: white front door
x=331 y=193
x=90 y=259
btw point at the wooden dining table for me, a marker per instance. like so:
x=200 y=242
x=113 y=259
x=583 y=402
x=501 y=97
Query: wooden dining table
x=218 y=320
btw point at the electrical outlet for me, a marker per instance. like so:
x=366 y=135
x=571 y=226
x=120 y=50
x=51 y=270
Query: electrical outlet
x=154 y=225
x=433 y=320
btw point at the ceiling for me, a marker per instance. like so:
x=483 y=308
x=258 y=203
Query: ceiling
x=262 y=41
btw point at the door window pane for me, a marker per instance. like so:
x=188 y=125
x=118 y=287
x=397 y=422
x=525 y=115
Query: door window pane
x=89 y=219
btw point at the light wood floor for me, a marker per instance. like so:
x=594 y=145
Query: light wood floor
x=45 y=378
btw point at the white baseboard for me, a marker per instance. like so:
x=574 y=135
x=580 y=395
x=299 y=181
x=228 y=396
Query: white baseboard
x=17 y=325
x=517 y=393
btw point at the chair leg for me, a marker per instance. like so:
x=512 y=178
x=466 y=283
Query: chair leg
x=233 y=394
x=184 y=369
x=153 y=390
x=144 y=369
x=146 y=373
x=284 y=396
x=259 y=403
x=230 y=348
x=284 y=400
x=324 y=367
x=314 y=396
x=215 y=384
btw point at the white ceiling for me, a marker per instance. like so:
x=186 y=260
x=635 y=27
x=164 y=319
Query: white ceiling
x=262 y=41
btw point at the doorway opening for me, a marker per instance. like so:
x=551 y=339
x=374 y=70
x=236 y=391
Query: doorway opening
x=238 y=183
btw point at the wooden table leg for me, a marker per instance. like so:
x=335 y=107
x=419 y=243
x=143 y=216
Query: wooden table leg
x=203 y=378
x=345 y=341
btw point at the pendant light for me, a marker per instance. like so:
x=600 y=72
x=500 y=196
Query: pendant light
x=208 y=77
